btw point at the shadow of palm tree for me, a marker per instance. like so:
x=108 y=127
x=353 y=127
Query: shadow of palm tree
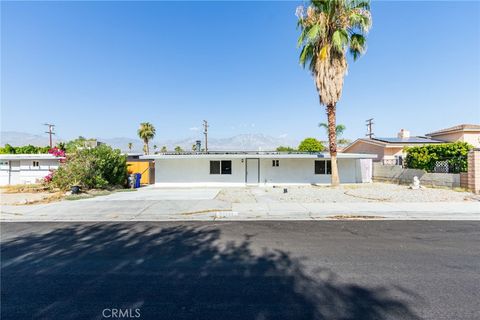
x=179 y=272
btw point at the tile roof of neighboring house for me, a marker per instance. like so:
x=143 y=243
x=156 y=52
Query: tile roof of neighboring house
x=460 y=127
x=408 y=140
x=393 y=142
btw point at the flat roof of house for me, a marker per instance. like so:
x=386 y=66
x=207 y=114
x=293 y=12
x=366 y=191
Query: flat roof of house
x=257 y=155
x=33 y=156
x=408 y=140
x=460 y=127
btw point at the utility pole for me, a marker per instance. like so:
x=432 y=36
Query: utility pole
x=205 y=132
x=50 y=132
x=369 y=128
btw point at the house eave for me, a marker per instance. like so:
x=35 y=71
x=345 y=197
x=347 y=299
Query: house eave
x=259 y=156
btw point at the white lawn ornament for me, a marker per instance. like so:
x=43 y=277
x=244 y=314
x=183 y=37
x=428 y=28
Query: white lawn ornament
x=416 y=184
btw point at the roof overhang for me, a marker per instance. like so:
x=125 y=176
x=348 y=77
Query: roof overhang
x=259 y=156
x=29 y=157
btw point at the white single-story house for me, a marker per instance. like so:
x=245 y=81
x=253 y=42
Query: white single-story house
x=254 y=168
x=26 y=168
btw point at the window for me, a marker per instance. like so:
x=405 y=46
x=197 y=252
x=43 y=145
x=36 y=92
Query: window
x=214 y=167
x=275 y=163
x=36 y=164
x=221 y=167
x=323 y=167
x=226 y=167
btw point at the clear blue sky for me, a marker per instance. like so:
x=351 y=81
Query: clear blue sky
x=100 y=68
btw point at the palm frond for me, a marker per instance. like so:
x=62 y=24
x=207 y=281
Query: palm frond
x=339 y=40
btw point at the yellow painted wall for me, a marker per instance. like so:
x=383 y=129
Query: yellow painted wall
x=141 y=167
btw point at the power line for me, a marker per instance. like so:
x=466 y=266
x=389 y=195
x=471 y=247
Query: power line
x=369 y=125
x=50 y=132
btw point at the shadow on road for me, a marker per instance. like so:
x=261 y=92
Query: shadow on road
x=177 y=272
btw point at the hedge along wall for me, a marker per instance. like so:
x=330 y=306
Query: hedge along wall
x=427 y=157
x=397 y=174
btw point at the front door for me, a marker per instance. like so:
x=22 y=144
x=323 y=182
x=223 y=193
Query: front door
x=252 y=171
x=14 y=173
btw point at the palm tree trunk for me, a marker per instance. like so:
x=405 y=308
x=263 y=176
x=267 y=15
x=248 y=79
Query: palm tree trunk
x=146 y=146
x=332 y=143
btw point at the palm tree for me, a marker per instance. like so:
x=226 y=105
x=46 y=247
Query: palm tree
x=339 y=130
x=155 y=147
x=178 y=149
x=146 y=132
x=130 y=146
x=328 y=29
x=164 y=149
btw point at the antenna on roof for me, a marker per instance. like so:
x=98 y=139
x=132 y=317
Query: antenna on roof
x=369 y=125
x=50 y=131
x=205 y=132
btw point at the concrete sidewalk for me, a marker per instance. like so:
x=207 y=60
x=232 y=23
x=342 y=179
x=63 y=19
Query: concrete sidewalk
x=113 y=209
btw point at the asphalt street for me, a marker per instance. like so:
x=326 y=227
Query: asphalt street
x=241 y=270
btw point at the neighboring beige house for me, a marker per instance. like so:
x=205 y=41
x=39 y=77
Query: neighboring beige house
x=469 y=133
x=389 y=150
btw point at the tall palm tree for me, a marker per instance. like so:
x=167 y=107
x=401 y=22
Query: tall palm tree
x=328 y=29
x=146 y=132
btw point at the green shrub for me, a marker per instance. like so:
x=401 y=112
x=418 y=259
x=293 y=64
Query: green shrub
x=426 y=157
x=98 y=168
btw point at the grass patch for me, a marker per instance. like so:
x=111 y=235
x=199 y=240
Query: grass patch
x=80 y=196
x=125 y=190
x=95 y=193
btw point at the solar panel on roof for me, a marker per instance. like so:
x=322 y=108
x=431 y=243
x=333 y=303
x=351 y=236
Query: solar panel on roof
x=408 y=140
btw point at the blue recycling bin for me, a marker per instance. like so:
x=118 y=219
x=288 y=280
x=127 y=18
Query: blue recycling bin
x=138 y=177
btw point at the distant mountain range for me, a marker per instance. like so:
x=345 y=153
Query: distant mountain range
x=241 y=142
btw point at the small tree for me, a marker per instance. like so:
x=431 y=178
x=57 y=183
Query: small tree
x=178 y=149
x=311 y=145
x=130 y=146
x=285 y=149
x=164 y=149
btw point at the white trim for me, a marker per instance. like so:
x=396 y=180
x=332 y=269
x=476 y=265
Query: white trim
x=227 y=156
x=42 y=156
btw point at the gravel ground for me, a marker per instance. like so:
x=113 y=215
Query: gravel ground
x=22 y=198
x=373 y=192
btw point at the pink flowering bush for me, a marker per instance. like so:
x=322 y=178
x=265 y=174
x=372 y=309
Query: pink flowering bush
x=48 y=178
x=57 y=152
